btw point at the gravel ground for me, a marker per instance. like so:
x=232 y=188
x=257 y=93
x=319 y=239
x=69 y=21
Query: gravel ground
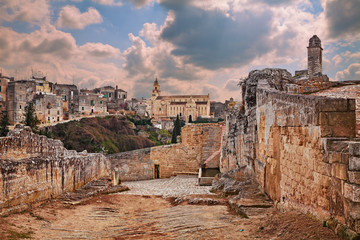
x=178 y=186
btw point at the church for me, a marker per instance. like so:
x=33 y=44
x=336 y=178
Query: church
x=186 y=106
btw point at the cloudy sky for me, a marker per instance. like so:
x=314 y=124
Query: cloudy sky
x=193 y=46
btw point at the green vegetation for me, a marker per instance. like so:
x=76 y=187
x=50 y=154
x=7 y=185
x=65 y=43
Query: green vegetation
x=13 y=235
x=111 y=134
x=4 y=124
x=30 y=117
x=208 y=120
x=177 y=130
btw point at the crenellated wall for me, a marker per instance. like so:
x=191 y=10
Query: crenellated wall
x=35 y=168
x=200 y=142
x=299 y=148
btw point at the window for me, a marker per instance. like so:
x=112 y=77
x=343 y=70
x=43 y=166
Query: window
x=159 y=109
x=82 y=108
x=92 y=103
x=100 y=102
x=105 y=96
x=58 y=113
x=20 y=106
x=49 y=111
x=109 y=95
x=20 y=98
x=0 y=88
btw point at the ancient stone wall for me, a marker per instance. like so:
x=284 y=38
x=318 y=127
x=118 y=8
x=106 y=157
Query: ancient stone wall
x=200 y=142
x=35 y=168
x=305 y=156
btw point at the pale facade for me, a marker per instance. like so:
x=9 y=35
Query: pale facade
x=92 y=104
x=49 y=108
x=168 y=107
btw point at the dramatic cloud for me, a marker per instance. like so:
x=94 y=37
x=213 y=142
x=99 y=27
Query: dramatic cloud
x=351 y=73
x=139 y=3
x=71 y=17
x=232 y=85
x=136 y=3
x=100 y=50
x=212 y=40
x=109 y=2
x=343 y=17
x=33 y=12
x=203 y=46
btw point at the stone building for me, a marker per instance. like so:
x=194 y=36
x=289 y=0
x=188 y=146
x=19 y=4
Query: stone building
x=314 y=71
x=168 y=107
x=3 y=89
x=139 y=105
x=19 y=93
x=114 y=98
x=49 y=108
x=42 y=85
x=217 y=109
x=70 y=98
x=91 y=103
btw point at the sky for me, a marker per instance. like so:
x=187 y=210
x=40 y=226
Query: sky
x=192 y=46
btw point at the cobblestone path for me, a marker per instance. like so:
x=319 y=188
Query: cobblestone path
x=178 y=186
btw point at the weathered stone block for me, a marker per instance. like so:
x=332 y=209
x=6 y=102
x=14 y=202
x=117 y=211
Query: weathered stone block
x=352 y=192
x=354 y=177
x=354 y=148
x=323 y=168
x=339 y=170
x=333 y=105
x=354 y=163
x=351 y=104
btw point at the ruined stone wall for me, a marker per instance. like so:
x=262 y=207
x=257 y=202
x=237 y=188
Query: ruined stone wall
x=35 y=168
x=304 y=154
x=200 y=142
x=291 y=132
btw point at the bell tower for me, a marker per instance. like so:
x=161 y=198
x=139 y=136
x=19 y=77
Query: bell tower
x=156 y=88
x=314 y=57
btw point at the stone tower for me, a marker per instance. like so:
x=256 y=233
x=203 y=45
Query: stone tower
x=314 y=57
x=156 y=89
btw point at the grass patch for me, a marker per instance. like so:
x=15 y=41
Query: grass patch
x=13 y=235
x=36 y=216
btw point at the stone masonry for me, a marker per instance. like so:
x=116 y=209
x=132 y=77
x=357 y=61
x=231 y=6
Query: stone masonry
x=200 y=142
x=300 y=148
x=35 y=168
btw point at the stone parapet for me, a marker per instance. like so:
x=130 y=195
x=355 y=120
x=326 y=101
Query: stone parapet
x=35 y=168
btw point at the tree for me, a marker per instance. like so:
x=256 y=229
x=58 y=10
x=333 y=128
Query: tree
x=176 y=130
x=173 y=136
x=178 y=126
x=4 y=124
x=30 y=117
x=190 y=119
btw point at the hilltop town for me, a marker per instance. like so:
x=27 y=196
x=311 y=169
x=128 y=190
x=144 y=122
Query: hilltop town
x=56 y=102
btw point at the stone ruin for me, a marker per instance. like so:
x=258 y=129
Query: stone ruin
x=301 y=149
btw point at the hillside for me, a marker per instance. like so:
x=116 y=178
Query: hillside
x=111 y=134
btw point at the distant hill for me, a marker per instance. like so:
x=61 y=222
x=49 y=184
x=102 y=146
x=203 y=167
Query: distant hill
x=111 y=134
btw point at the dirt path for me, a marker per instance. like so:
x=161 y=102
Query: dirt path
x=127 y=216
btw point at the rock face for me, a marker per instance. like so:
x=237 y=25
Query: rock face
x=35 y=168
x=299 y=148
